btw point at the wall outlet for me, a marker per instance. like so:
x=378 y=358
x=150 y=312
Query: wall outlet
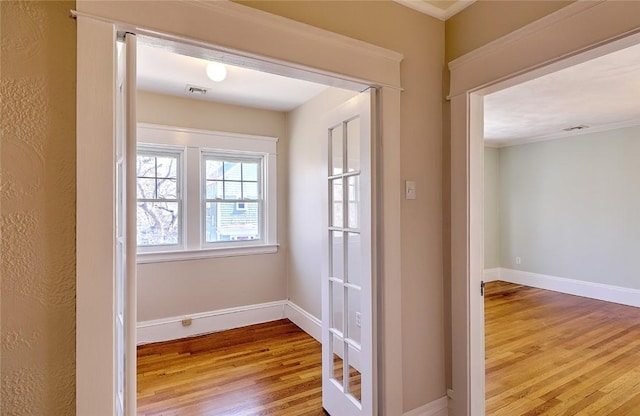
x=358 y=319
x=187 y=321
x=518 y=260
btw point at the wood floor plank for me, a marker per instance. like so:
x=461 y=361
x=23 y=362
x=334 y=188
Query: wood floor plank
x=266 y=369
x=548 y=353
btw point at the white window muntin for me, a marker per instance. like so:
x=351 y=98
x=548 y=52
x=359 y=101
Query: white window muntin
x=167 y=151
x=234 y=157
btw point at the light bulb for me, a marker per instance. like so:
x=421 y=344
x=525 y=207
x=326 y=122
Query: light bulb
x=216 y=71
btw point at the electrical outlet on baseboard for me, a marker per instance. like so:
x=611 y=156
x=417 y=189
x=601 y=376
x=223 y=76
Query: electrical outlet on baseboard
x=518 y=260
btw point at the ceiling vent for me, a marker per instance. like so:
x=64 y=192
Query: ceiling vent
x=192 y=89
x=576 y=128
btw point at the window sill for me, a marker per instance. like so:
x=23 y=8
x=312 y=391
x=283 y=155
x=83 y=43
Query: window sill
x=206 y=253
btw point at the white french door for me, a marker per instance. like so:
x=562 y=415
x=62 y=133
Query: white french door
x=125 y=250
x=347 y=279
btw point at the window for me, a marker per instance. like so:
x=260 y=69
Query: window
x=159 y=206
x=204 y=194
x=233 y=203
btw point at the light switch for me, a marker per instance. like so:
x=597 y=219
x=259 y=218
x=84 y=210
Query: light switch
x=410 y=190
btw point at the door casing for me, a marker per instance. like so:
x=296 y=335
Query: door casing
x=211 y=25
x=571 y=37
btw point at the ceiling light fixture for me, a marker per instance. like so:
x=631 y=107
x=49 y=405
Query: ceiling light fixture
x=216 y=71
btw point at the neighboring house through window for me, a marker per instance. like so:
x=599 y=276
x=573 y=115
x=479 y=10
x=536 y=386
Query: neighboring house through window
x=204 y=194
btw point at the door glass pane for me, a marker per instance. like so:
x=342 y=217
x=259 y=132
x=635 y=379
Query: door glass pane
x=353 y=193
x=337 y=363
x=353 y=145
x=336 y=150
x=354 y=261
x=354 y=313
x=337 y=255
x=336 y=202
x=353 y=358
x=337 y=306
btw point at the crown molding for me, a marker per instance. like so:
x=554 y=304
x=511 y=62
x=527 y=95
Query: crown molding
x=423 y=6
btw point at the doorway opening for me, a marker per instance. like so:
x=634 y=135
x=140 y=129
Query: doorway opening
x=554 y=217
x=217 y=221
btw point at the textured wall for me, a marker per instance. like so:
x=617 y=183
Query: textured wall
x=37 y=87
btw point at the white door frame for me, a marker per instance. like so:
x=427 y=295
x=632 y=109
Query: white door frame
x=270 y=42
x=574 y=34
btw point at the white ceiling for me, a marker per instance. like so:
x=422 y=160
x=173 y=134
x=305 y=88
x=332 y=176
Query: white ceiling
x=603 y=93
x=440 y=9
x=166 y=72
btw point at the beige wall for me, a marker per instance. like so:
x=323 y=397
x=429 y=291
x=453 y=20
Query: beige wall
x=37 y=88
x=185 y=287
x=491 y=208
x=306 y=177
x=488 y=20
x=421 y=39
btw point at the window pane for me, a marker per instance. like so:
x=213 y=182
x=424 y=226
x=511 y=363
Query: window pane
x=232 y=171
x=213 y=169
x=146 y=188
x=167 y=167
x=214 y=190
x=353 y=190
x=336 y=268
x=167 y=189
x=336 y=203
x=146 y=166
x=353 y=145
x=249 y=171
x=157 y=223
x=250 y=190
x=336 y=150
x=228 y=221
x=232 y=190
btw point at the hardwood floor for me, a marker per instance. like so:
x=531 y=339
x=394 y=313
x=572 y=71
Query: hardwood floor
x=266 y=369
x=549 y=353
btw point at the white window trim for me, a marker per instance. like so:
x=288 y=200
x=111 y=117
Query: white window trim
x=196 y=143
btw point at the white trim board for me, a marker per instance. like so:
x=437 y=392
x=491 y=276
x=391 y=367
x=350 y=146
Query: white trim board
x=166 y=329
x=439 y=407
x=491 y=275
x=171 y=328
x=599 y=291
x=304 y=320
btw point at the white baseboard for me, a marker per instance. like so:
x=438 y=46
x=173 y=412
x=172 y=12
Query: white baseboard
x=599 y=291
x=207 y=322
x=307 y=322
x=491 y=275
x=438 y=407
